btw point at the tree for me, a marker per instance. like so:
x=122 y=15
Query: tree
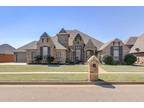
x=130 y=59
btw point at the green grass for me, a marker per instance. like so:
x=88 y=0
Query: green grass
x=122 y=68
x=70 y=77
x=122 y=77
x=43 y=68
x=41 y=77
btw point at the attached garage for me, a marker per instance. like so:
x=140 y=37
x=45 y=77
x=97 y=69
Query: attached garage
x=7 y=53
x=20 y=57
x=20 y=53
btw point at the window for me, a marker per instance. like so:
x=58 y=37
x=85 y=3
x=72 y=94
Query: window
x=42 y=40
x=62 y=41
x=116 y=52
x=78 y=54
x=47 y=39
x=58 y=56
x=45 y=51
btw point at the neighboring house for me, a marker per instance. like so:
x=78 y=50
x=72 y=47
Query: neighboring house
x=138 y=49
x=114 y=48
x=7 y=53
x=71 y=45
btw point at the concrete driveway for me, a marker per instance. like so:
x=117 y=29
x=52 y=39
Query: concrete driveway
x=13 y=63
x=72 y=93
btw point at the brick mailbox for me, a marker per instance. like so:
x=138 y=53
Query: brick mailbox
x=93 y=70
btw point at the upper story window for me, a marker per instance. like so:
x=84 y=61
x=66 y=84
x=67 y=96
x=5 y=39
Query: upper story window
x=62 y=41
x=42 y=40
x=77 y=47
x=78 y=38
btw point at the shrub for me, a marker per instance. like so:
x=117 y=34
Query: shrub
x=68 y=61
x=130 y=59
x=38 y=58
x=50 y=59
x=108 y=60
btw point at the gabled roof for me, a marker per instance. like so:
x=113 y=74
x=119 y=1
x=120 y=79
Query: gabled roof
x=107 y=44
x=85 y=37
x=90 y=43
x=57 y=44
x=44 y=35
x=62 y=30
x=130 y=41
x=31 y=45
x=6 y=49
x=138 y=44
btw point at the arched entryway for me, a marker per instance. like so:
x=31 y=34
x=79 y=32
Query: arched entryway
x=89 y=53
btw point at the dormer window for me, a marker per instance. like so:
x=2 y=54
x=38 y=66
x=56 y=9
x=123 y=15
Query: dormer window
x=42 y=40
x=47 y=39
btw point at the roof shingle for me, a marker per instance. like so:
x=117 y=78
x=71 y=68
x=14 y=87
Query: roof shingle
x=6 y=49
x=138 y=44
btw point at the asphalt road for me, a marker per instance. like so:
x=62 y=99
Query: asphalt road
x=71 y=93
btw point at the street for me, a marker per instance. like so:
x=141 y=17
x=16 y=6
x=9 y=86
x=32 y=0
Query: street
x=71 y=93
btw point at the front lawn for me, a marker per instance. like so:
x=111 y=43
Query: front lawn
x=41 y=77
x=122 y=77
x=123 y=68
x=43 y=68
x=70 y=77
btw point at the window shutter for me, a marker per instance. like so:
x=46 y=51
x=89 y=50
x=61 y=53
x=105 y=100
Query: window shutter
x=41 y=51
x=120 y=53
x=111 y=51
x=48 y=51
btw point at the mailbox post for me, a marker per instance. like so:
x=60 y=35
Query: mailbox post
x=93 y=70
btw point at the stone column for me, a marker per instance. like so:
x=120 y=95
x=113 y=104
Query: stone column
x=93 y=71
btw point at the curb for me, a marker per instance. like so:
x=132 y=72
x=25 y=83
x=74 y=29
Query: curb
x=68 y=83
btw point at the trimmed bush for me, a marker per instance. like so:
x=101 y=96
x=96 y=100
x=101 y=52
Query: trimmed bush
x=38 y=59
x=108 y=60
x=50 y=59
x=68 y=61
x=130 y=59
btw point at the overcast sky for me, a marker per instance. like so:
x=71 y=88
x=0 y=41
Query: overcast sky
x=20 y=25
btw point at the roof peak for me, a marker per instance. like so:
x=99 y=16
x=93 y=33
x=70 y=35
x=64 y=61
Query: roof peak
x=62 y=31
x=44 y=35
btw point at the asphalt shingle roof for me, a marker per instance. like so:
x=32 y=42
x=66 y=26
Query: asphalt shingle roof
x=6 y=49
x=31 y=45
x=138 y=44
x=73 y=33
x=57 y=44
x=107 y=44
x=85 y=37
x=130 y=41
